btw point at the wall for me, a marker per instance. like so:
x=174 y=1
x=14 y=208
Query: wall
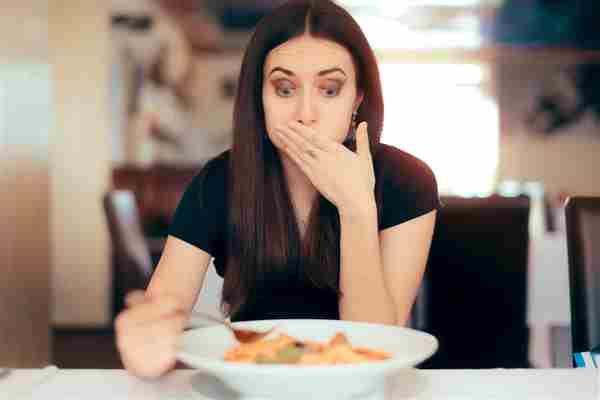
x=25 y=121
x=568 y=161
x=80 y=168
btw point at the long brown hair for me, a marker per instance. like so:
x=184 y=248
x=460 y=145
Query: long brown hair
x=263 y=236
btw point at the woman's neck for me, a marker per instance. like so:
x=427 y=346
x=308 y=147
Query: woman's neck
x=301 y=188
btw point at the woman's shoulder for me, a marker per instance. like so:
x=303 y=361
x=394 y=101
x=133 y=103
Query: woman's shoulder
x=200 y=214
x=408 y=186
x=218 y=165
x=401 y=166
x=214 y=170
x=211 y=179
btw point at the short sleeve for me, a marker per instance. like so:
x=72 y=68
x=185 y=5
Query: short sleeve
x=198 y=219
x=409 y=187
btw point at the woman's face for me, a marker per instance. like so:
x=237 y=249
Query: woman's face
x=312 y=81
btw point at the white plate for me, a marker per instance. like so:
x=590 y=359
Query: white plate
x=204 y=349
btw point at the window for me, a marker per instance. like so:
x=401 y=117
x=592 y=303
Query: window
x=437 y=110
x=441 y=114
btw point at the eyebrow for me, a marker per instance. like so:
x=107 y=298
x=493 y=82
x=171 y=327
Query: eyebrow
x=320 y=73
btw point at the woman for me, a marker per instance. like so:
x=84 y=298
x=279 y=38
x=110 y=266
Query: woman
x=308 y=215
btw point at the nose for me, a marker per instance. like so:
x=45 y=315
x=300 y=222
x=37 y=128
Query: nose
x=307 y=110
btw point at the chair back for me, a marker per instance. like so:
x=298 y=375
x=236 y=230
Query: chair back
x=132 y=264
x=583 y=245
x=476 y=283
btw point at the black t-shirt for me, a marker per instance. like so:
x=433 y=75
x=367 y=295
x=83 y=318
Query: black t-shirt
x=409 y=191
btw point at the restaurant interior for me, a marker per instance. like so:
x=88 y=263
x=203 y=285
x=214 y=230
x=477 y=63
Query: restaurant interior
x=108 y=109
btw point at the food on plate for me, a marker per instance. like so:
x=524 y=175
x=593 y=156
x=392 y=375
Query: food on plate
x=286 y=349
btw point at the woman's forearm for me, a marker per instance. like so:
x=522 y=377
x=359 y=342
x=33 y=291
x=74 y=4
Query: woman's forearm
x=365 y=296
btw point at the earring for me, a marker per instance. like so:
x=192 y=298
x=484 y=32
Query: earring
x=352 y=134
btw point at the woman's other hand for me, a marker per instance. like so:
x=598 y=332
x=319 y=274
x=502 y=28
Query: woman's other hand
x=147 y=332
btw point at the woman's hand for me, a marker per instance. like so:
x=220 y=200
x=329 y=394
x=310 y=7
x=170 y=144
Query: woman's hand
x=147 y=333
x=345 y=178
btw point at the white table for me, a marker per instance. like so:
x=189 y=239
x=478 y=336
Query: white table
x=497 y=384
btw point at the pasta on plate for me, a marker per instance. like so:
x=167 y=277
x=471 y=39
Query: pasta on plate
x=286 y=349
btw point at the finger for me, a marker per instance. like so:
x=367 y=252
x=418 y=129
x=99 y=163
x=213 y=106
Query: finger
x=149 y=332
x=312 y=137
x=362 y=142
x=155 y=309
x=277 y=139
x=303 y=160
x=284 y=144
x=300 y=143
x=154 y=339
x=167 y=326
x=135 y=297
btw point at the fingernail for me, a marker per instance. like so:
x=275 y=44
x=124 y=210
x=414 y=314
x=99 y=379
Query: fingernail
x=135 y=297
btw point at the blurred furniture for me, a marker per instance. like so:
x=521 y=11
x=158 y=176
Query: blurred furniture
x=157 y=190
x=583 y=244
x=132 y=264
x=560 y=346
x=548 y=290
x=476 y=283
x=418 y=314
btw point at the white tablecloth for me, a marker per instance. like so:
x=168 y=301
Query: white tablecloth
x=514 y=384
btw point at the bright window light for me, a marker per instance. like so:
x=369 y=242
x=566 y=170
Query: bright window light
x=441 y=114
x=387 y=34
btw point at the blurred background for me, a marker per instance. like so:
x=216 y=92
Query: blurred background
x=108 y=109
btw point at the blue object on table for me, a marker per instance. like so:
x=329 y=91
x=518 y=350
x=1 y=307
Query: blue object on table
x=588 y=359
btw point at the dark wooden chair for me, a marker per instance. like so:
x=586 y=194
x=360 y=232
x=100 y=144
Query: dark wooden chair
x=583 y=244
x=476 y=283
x=157 y=190
x=132 y=264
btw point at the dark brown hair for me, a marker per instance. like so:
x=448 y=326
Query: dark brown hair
x=263 y=235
